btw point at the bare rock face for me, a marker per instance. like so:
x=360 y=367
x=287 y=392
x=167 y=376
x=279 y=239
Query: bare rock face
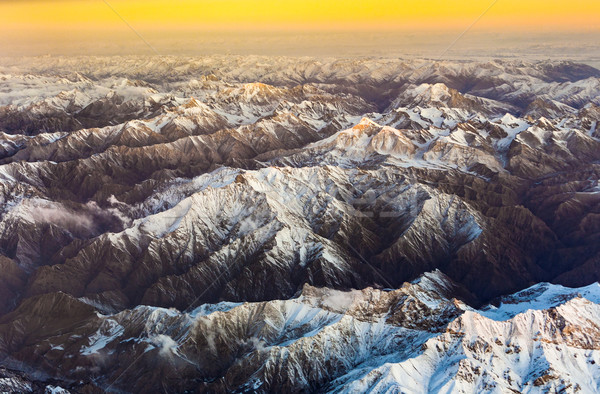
x=13 y=281
x=273 y=224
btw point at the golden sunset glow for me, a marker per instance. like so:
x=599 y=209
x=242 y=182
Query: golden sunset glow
x=576 y=15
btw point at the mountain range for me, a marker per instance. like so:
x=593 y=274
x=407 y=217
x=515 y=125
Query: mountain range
x=273 y=224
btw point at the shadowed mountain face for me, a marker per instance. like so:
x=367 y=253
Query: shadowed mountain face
x=199 y=224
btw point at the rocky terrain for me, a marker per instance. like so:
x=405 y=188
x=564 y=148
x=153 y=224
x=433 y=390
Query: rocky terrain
x=251 y=224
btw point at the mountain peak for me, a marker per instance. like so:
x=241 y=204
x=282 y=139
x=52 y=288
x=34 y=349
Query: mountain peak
x=192 y=103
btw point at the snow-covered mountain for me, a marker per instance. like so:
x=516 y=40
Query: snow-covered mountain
x=249 y=224
x=417 y=338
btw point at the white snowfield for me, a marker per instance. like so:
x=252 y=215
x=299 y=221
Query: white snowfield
x=411 y=340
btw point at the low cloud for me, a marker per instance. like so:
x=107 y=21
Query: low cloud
x=166 y=345
x=81 y=220
x=62 y=217
x=339 y=301
x=257 y=344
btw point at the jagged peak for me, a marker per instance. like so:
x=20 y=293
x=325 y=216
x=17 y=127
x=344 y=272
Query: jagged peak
x=192 y=103
x=434 y=91
x=257 y=87
x=365 y=123
x=540 y=296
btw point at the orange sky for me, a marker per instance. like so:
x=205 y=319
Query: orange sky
x=550 y=15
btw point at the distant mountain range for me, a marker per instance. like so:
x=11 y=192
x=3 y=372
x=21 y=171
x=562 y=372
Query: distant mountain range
x=254 y=224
